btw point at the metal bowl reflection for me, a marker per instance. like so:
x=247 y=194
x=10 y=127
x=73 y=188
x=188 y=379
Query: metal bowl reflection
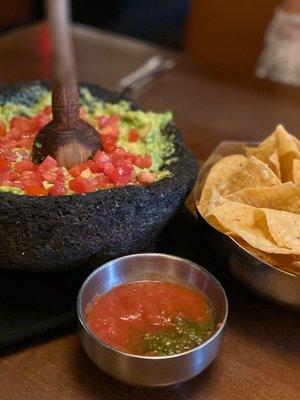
x=145 y=370
x=266 y=280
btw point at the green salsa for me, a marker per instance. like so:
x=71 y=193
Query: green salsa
x=184 y=335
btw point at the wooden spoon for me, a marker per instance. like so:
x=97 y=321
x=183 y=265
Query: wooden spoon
x=67 y=138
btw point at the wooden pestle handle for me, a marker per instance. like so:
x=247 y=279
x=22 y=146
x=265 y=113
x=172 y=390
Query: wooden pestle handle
x=65 y=100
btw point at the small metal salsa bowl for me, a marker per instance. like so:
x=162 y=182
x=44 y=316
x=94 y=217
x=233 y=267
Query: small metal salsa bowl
x=150 y=371
x=264 y=279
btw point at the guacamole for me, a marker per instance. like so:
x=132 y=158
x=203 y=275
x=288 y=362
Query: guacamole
x=135 y=149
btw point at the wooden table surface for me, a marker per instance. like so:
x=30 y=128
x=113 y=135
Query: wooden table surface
x=260 y=356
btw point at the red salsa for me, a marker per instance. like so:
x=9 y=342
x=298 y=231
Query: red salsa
x=151 y=318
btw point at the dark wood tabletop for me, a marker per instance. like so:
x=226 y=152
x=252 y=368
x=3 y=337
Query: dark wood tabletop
x=260 y=355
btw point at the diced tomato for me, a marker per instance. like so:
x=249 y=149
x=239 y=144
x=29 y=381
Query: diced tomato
x=118 y=155
x=21 y=124
x=4 y=177
x=101 y=180
x=58 y=189
x=14 y=176
x=9 y=175
x=53 y=175
x=30 y=178
x=27 y=174
x=7 y=143
x=31 y=181
x=146 y=177
x=36 y=191
x=18 y=184
x=25 y=165
x=99 y=161
x=119 y=175
x=2 y=128
x=109 y=147
x=109 y=144
x=40 y=121
x=143 y=161
x=47 y=110
x=108 y=169
x=111 y=129
x=129 y=158
x=16 y=133
x=4 y=164
x=47 y=164
x=83 y=114
x=125 y=170
x=82 y=185
x=13 y=122
x=101 y=156
x=102 y=121
x=94 y=167
x=25 y=143
x=84 y=165
x=7 y=154
x=114 y=118
x=77 y=169
x=133 y=135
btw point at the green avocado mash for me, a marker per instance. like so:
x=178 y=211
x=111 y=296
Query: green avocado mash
x=10 y=189
x=149 y=124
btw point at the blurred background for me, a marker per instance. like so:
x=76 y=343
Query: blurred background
x=161 y=21
x=213 y=32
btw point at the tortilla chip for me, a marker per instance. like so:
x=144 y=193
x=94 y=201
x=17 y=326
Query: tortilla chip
x=285 y=197
x=221 y=171
x=294 y=267
x=254 y=174
x=286 y=262
x=296 y=172
x=251 y=225
x=274 y=164
x=285 y=228
x=215 y=199
x=287 y=151
x=256 y=201
x=264 y=149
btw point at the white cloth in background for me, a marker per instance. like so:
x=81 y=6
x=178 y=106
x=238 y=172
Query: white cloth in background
x=280 y=59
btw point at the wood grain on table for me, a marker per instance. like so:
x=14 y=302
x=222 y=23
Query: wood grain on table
x=260 y=356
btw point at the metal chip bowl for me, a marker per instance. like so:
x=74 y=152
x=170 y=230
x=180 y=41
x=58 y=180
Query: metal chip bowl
x=266 y=280
x=145 y=370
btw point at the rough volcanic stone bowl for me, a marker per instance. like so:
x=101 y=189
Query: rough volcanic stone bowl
x=65 y=232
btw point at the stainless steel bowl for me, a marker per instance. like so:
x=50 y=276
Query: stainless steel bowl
x=266 y=280
x=145 y=370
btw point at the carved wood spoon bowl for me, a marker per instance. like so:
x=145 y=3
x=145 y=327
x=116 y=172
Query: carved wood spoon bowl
x=67 y=138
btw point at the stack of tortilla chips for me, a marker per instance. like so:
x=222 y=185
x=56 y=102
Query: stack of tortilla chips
x=255 y=199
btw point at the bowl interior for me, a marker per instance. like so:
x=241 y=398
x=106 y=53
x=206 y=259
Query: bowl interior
x=152 y=267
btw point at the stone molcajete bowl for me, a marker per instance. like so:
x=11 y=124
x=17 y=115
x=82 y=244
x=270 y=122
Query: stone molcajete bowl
x=65 y=232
